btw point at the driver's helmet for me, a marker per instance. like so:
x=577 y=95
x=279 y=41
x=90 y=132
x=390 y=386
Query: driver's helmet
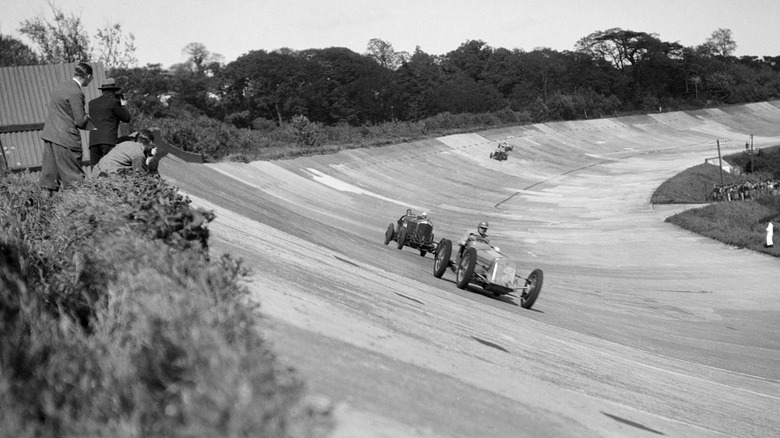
x=482 y=228
x=424 y=215
x=408 y=211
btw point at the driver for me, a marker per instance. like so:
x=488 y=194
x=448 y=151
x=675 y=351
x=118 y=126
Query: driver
x=470 y=236
x=401 y=219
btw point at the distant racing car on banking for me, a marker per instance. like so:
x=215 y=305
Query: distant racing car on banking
x=501 y=152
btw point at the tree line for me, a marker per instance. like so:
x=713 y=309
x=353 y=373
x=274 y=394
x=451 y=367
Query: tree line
x=608 y=72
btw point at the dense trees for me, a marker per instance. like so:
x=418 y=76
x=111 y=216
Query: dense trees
x=14 y=52
x=609 y=71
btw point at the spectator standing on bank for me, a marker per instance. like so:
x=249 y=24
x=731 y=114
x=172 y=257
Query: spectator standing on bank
x=106 y=112
x=62 y=152
x=770 y=231
x=139 y=155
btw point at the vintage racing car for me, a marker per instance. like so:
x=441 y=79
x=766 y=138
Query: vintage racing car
x=500 y=153
x=487 y=267
x=415 y=232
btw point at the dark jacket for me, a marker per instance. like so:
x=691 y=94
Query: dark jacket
x=128 y=155
x=106 y=112
x=66 y=116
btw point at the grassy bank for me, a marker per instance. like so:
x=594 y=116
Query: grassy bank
x=115 y=322
x=738 y=223
x=693 y=186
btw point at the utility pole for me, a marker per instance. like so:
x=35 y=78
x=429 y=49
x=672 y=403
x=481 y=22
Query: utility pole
x=751 y=153
x=720 y=162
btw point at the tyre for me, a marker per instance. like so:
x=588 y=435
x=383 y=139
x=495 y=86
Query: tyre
x=389 y=233
x=441 y=259
x=401 y=239
x=533 y=287
x=466 y=268
x=491 y=155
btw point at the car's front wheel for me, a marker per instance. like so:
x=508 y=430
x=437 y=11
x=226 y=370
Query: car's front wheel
x=533 y=285
x=401 y=238
x=389 y=233
x=441 y=259
x=466 y=268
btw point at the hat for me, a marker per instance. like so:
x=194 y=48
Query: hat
x=110 y=84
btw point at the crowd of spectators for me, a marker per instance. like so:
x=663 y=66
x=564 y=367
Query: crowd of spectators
x=745 y=190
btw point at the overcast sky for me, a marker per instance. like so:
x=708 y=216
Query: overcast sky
x=233 y=27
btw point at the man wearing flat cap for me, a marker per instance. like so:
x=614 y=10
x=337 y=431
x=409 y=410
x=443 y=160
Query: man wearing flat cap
x=106 y=112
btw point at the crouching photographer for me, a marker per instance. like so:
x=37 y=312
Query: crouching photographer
x=136 y=153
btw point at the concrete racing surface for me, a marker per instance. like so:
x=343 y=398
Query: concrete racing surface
x=641 y=328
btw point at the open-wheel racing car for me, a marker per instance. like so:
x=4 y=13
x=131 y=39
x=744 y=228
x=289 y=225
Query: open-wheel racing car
x=487 y=267
x=415 y=232
x=500 y=153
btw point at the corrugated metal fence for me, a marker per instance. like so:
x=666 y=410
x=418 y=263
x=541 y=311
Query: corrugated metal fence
x=24 y=96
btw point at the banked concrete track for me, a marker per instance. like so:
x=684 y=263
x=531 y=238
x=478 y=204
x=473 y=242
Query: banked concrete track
x=642 y=328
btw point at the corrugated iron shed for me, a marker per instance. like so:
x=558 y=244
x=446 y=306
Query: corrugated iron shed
x=24 y=96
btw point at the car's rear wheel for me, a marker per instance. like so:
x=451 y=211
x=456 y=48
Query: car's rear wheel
x=442 y=258
x=389 y=233
x=466 y=268
x=401 y=238
x=533 y=285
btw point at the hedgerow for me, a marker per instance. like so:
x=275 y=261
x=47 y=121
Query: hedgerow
x=217 y=141
x=115 y=322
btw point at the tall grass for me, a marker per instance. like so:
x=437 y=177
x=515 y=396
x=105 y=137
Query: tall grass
x=115 y=322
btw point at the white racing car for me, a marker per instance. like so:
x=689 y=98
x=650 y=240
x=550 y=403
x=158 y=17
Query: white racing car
x=487 y=267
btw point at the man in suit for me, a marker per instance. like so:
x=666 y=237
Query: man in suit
x=139 y=156
x=62 y=152
x=106 y=112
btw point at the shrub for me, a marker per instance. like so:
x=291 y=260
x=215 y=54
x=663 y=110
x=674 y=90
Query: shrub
x=765 y=160
x=261 y=124
x=115 y=324
x=305 y=132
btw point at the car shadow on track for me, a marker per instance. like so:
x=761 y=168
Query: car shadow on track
x=508 y=299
